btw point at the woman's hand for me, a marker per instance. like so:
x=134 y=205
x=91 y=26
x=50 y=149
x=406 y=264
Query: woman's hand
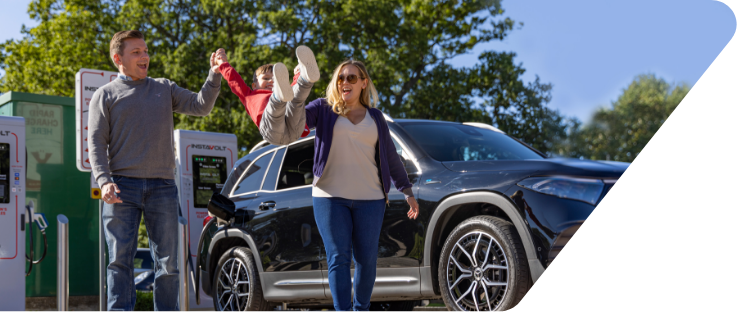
x=414 y=208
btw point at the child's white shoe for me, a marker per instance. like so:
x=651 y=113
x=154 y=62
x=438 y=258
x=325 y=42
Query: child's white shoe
x=282 y=88
x=308 y=64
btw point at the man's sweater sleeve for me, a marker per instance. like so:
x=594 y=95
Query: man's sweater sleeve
x=196 y=104
x=98 y=138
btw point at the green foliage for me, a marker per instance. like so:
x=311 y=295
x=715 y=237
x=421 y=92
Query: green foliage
x=621 y=132
x=142 y=235
x=144 y=301
x=405 y=45
x=491 y=92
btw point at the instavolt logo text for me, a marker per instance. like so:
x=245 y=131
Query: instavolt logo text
x=208 y=147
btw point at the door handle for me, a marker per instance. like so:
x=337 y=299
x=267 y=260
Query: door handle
x=267 y=205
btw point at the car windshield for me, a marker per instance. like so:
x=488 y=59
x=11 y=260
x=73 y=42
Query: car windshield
x=456 y=142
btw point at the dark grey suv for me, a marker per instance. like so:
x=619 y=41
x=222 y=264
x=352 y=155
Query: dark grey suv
x=494 y=213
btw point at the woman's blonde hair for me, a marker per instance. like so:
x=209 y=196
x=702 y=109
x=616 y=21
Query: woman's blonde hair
x=369 y=97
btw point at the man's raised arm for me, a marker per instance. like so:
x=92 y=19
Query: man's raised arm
x=198 y=104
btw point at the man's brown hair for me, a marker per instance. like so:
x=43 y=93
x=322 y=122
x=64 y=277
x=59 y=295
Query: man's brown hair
x=117 y=44
x=262 y=70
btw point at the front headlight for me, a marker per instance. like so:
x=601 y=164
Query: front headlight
x=140 y=277
x=587 y=190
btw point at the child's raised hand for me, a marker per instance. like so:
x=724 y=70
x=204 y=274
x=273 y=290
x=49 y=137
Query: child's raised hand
x=220 y=56
x=216 y=59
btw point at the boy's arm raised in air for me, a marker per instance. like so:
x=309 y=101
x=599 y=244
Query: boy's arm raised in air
x=235 y=82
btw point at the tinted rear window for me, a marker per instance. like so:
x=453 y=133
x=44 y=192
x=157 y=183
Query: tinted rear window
x=455 y=142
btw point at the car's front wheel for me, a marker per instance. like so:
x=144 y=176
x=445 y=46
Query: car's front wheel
x=483 y=266
x=236 y=282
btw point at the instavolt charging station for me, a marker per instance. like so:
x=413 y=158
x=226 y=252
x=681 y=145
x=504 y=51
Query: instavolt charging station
x=12 y=213
x=204 y=160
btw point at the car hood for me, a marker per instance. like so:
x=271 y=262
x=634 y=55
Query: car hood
x=543 y=166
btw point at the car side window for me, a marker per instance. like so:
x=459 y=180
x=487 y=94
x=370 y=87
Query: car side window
x=272 y=174
x=409 y=166
x=235 y=175
x=254 y=175
x=297 y=166
x=399 y=147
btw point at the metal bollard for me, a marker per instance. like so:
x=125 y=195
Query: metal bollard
x=62 y=263
x=102 y=267
x=182 y=256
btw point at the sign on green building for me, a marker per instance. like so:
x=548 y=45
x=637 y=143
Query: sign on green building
x=57 y=187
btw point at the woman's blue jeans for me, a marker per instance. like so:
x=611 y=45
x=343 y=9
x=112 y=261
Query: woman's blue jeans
x=156 y=199
x=346 y=224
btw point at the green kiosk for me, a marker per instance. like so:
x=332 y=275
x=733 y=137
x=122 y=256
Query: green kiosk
x=57 y=187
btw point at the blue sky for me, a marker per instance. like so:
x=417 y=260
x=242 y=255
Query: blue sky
x=589 y=50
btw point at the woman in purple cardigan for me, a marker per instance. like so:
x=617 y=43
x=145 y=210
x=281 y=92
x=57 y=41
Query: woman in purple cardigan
x=355 y=164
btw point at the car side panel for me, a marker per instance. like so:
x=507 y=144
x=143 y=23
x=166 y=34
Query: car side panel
x=205 y=241
x=547 y=216
x=287 y=235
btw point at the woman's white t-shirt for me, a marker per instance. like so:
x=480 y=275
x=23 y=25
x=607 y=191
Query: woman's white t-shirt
x=351 y=171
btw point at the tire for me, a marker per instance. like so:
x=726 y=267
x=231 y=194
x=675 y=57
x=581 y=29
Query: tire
x=393 y=306
x=237 y=266
x=504 y=276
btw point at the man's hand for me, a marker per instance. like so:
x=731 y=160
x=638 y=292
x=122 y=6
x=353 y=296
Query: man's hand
x=414 y=208
x=108 y=193
x=216 y=59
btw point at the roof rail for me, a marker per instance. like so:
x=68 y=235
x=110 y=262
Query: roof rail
x=387 y=117
x=259 y=145
x=483 y=126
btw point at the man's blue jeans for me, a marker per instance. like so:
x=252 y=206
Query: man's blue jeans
x=345 y=223
x=157 y=200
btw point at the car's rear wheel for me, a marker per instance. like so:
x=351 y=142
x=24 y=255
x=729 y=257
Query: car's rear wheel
x=483 y=266
x=236 y=282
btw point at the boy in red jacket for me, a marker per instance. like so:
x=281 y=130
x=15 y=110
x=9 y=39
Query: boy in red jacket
x=276 y=108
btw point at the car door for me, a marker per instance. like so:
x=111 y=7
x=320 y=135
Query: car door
x=400 y=242
x=284 y=227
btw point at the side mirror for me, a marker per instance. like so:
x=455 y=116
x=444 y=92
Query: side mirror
x=221 y=206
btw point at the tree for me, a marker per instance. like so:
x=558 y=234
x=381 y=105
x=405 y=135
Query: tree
x=491 y=92
x=622 y=131
x=405 y=45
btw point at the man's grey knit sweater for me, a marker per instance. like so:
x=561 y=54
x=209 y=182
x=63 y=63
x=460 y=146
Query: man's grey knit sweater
x=131 y=125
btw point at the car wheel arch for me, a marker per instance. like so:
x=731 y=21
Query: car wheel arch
x=226 y=239
x=440 y=217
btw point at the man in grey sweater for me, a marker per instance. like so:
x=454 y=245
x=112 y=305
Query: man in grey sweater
x=132 y=155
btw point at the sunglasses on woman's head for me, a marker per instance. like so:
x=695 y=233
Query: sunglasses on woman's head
x=351 y=79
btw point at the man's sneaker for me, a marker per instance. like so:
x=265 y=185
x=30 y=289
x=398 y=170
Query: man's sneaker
x=282 y=88
x=309 y=69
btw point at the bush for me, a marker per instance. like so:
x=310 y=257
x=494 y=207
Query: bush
x=144 y=301
x=142 y=234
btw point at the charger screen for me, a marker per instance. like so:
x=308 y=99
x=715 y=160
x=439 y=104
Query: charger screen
x=5 y=179
x=209 y=175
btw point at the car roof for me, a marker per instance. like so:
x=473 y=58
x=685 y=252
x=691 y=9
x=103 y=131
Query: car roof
x=264 y=146
x=423 y=120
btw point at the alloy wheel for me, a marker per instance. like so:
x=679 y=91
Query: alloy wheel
x=233 y=286
x=477 y=272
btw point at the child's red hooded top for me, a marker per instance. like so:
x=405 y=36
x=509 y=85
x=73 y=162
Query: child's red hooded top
x=254 y=101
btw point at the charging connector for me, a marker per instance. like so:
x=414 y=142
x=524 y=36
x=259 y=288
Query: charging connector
x=42 y=224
